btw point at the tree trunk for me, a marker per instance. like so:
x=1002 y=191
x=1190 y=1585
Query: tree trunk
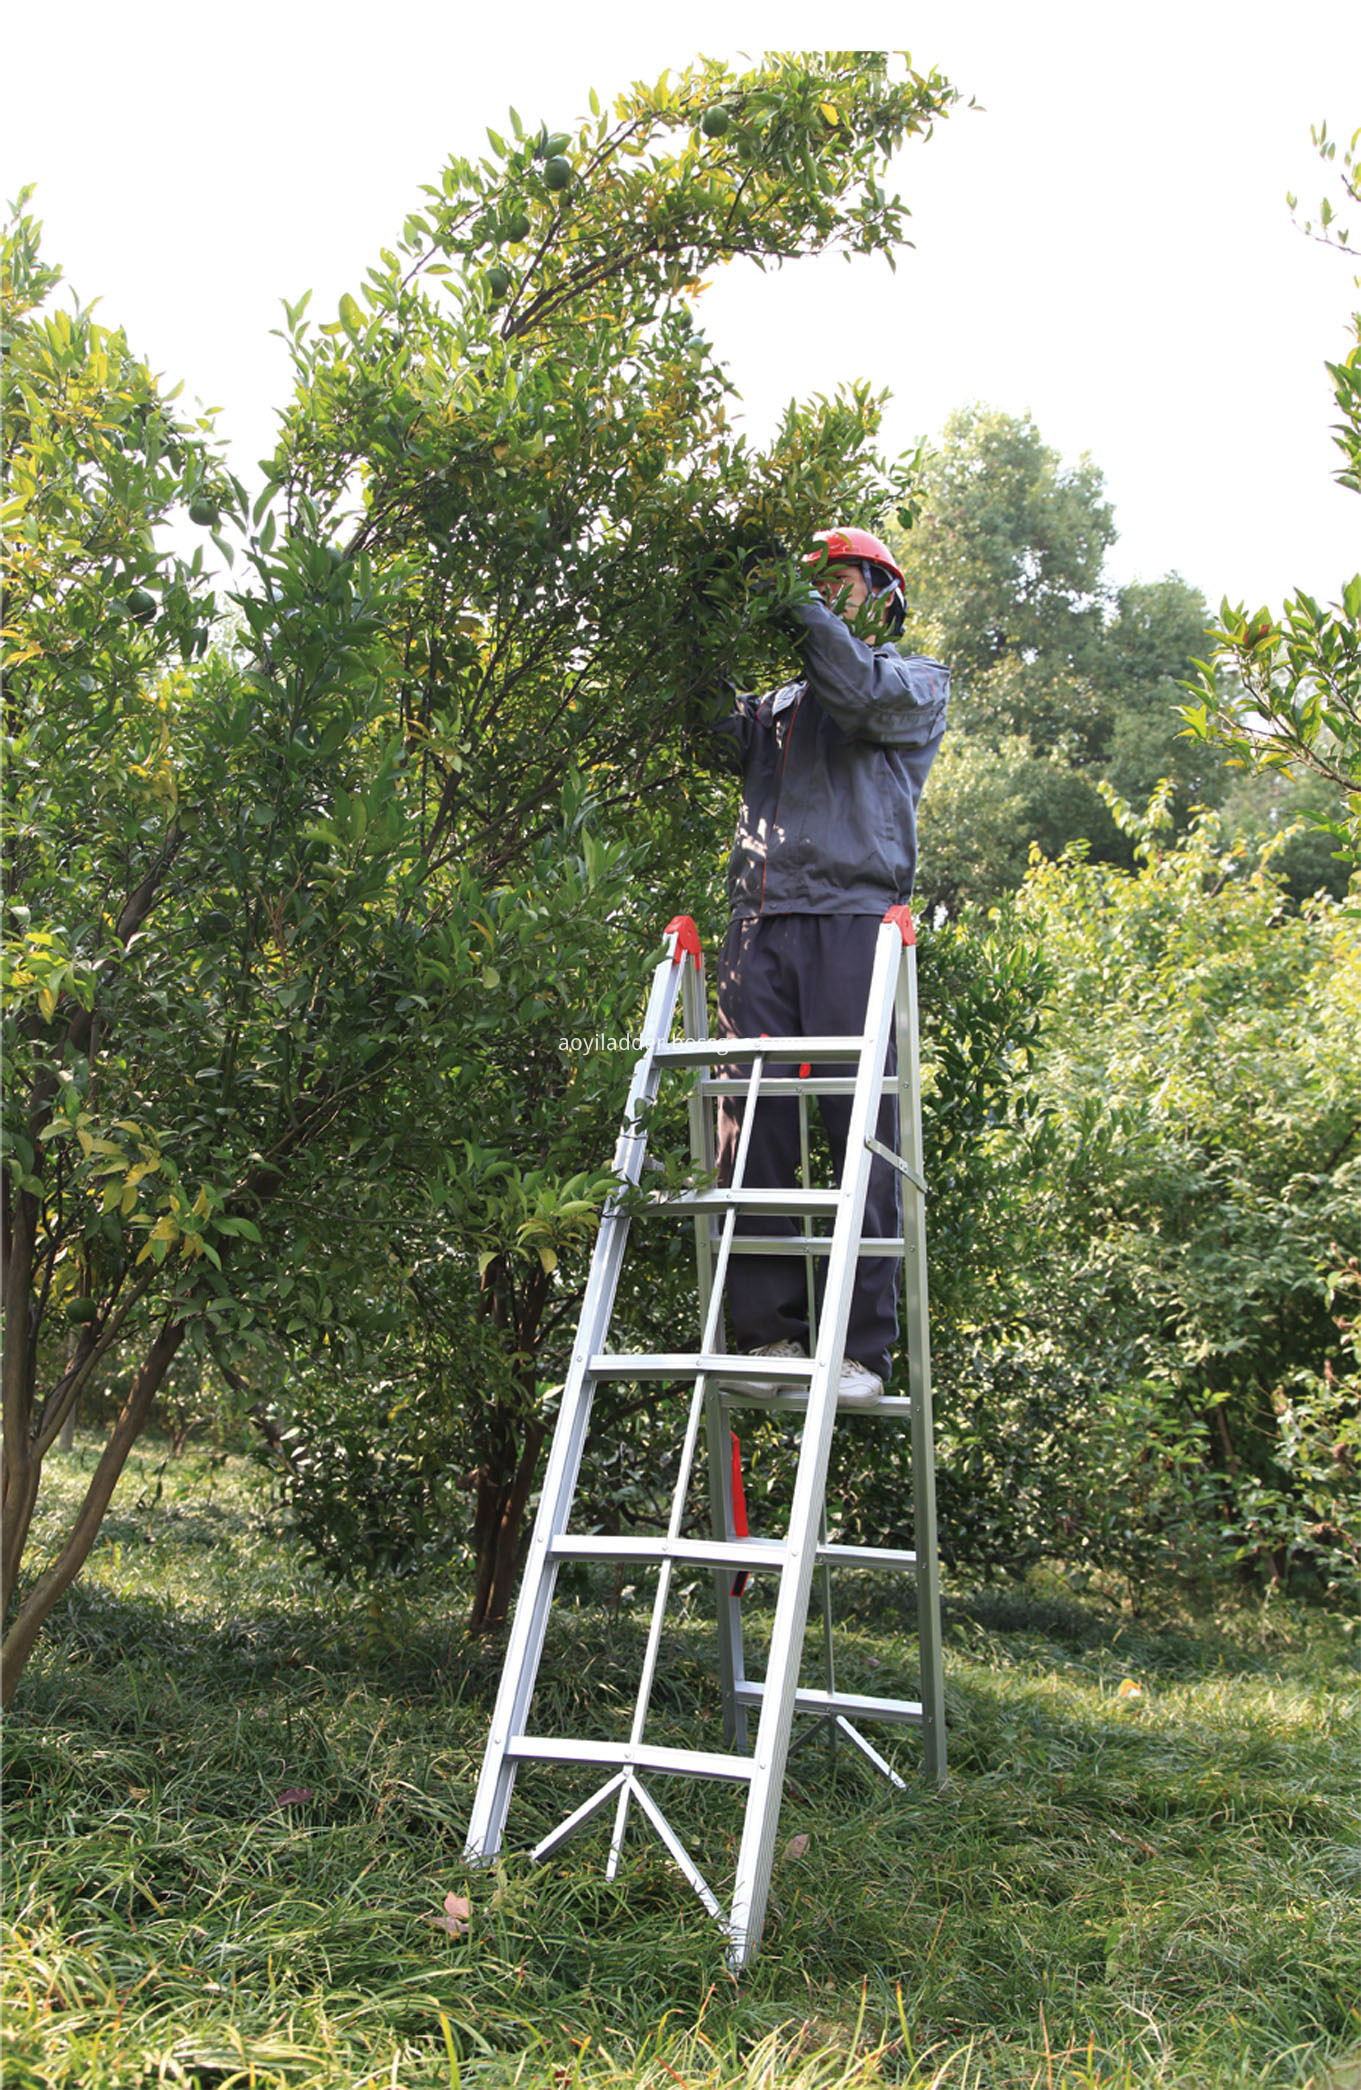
x=19 y=1483
x=497 y=1523
x=504 y=1479
x=29 y=1619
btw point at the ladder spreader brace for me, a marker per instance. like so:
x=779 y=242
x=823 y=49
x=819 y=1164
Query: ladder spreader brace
x=721 y=1381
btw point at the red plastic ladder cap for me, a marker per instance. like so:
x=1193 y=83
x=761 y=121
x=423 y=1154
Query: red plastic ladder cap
x=682 y=927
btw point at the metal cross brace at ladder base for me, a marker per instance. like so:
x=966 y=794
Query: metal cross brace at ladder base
x=835 y=1725
x=801 y=1390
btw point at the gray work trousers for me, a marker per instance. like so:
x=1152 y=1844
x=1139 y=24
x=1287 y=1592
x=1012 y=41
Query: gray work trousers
x=793 y=975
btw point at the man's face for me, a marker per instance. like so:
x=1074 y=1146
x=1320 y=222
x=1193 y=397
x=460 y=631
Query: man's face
x=843 y=589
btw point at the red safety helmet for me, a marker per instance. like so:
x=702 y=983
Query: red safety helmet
x=848 y=547
x=854 y=545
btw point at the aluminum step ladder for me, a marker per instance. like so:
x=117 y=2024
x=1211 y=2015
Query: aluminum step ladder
x=720 y=1381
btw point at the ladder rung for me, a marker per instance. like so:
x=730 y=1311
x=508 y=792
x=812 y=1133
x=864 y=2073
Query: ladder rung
x=639 y=1756
x=743 y=1553
x=891 y=1406
x=790 y=1085
x=801 y=1244
x=688 y=1364
x=866 y=1557
x=848 y=1703
x=790 y=1202
x=700 y=1052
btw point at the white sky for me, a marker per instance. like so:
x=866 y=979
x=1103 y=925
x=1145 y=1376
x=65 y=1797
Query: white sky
x=1107 y=247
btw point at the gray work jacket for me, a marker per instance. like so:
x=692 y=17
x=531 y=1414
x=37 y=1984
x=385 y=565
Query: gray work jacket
x=832 y=768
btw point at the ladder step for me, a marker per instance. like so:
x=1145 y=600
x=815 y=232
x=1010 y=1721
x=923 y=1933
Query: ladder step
x=849 y=1704
x=801 y=1244
x=789 y=1202
x=796 y=1372
x=893 y=1405
x=866 y=1557
x=742 y=1553
x=702 y=1052
x=747 y=1554
x=638 y=1756
x=790 y=1085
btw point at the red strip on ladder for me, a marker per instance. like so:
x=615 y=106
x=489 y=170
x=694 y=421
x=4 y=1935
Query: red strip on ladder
x=739 y=1512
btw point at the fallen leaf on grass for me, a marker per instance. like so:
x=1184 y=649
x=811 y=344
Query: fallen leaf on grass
x=796 y=1846
x=293 y=1796
x=454 y=1921
x=1129 y=1689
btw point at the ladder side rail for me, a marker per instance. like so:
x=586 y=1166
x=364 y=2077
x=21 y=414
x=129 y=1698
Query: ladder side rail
x=828 y=1633
x=810 y=1274
x=529 y=1626
x=728 y=1608
x=757 y=1849
x=695 y=1024
x=717 y=1430
x=647 y=1675
x=917 y=1317
x=806 y=1183
x=722 y=1523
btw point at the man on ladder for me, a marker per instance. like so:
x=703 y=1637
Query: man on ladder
x=833 y=766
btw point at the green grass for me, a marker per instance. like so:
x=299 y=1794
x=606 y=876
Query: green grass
x=1151 y=1889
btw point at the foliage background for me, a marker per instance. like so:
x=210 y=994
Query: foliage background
x=300 y=917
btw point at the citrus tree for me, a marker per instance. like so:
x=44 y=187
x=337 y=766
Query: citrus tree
x=1198 y=1192
x=296 y=926
x=96 y=616
x=1283 y=693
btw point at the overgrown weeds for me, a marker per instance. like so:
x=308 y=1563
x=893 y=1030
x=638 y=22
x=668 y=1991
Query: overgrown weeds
x=237 y=1799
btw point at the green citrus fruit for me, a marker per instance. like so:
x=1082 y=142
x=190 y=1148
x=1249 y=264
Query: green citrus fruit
x=82 y=1309
x=141 y=605
x=203 y=512
x=715 y=121
x=498 y=281
x=557 y=173
x=516 y=227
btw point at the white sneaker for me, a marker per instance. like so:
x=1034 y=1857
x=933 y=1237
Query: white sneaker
x=858 y=1387
x=780 y=1349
